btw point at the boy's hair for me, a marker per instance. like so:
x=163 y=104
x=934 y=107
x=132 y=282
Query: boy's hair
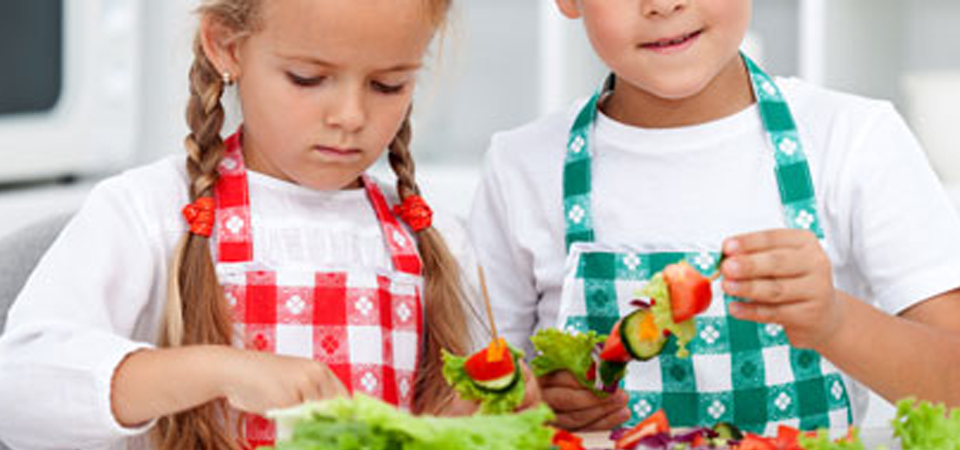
x=197 y=312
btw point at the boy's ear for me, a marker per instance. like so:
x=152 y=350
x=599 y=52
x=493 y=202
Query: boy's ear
x=569 y=8
x=221 y=46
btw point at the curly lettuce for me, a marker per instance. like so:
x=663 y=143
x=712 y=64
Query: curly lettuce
x=364 y=423
x=923 y=425
x=455 y=372
x=657 y=290
x=558 y=350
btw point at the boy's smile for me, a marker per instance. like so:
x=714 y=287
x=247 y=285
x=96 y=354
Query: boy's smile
x=668 y=54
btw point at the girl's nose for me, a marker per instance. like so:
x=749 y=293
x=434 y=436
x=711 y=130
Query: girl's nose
x=662 y=8
x=349 y=111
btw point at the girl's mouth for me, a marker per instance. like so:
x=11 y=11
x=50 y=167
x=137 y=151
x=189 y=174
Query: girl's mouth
x=672 y=45
x=337 y=154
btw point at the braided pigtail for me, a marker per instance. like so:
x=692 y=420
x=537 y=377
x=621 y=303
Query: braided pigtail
x=444 y=298
x=196 y=312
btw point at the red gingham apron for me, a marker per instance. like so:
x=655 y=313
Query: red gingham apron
x=364 y=323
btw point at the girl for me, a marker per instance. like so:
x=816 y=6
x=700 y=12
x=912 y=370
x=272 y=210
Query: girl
x=833 y=228
x=284 y=248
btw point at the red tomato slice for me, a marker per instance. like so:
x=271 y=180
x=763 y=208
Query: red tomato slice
x=690 y=291
x=613 y=349
x=491 y=363
x=754 y=442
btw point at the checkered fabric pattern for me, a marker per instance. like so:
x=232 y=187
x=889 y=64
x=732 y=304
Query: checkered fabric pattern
x=740 y=372
x=364 y=325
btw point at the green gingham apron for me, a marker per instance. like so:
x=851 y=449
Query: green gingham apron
x=738 y=371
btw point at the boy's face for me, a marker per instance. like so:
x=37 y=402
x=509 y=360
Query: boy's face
x=669 y=48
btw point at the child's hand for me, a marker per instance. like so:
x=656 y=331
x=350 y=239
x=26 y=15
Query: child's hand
x=787 y=279
x=532 y=395
x=256 y=382
x=577 y=408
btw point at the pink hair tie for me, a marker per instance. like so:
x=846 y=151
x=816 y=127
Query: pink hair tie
x=200 y=216
x=415 y=212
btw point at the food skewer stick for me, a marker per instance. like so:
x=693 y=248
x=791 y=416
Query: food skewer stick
x=486 y=300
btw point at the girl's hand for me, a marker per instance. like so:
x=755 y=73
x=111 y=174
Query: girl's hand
x=578 y=409
x=786 y=278
x=256 y=382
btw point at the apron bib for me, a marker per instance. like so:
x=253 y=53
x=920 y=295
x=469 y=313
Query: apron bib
x=737 y=371
x=364 y=323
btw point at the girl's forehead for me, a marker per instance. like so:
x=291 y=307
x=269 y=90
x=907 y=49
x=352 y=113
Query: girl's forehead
x=348 y=28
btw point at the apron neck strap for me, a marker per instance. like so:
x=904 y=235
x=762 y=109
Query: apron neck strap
x=234 y=233
x=795 y=184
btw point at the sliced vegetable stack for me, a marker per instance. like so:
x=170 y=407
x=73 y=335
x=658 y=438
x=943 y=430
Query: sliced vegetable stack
x=581 y=355
x=491 y=376
x=676 y=295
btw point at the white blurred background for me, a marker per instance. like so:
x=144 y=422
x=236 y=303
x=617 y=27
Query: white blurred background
x=90 y=87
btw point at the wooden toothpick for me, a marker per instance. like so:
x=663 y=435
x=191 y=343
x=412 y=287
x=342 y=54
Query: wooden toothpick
x=486 y=300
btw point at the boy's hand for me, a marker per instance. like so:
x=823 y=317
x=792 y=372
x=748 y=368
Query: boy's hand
x=786 y=278
x=532 y=395
x=577 y=408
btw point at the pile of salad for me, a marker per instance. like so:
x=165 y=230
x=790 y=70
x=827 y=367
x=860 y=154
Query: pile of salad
x=918 y=425
x=363 y=423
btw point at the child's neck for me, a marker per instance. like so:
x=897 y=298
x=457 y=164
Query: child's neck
x=728 y=93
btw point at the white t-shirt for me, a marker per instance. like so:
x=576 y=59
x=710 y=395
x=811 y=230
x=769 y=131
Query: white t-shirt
x=892 y=233
x=99 y=293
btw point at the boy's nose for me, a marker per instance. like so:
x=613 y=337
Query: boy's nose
x=349 y=111
x=662 y=8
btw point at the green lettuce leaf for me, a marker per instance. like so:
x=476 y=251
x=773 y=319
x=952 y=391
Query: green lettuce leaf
x=923 y=425
x=657 y=290
x=454 y=371
x=822 y=441
x=364 y=423
x=558 y=350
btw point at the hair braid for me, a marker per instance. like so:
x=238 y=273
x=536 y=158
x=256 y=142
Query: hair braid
x=196 y=311
x=444 y=299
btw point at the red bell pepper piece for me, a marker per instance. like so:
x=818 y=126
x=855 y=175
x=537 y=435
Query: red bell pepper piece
x=565 y=440
x=613 y=349
x=754 y=442
x=690 y=291
x=491 y=363
x=655 y=424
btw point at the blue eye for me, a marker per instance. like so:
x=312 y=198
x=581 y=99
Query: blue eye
x=388 y=88
x=304 y=81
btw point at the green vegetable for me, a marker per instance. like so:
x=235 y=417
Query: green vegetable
x=558 y=350
x=502 y=402
x=632 y=334
x=368 y=424
x=657 y=290
x=822 y=441
x=923 y=426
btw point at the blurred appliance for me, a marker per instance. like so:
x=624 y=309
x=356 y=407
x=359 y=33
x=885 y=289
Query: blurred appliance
x=69 y=87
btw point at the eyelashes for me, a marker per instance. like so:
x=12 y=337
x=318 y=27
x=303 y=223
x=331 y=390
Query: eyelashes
x=378 y=86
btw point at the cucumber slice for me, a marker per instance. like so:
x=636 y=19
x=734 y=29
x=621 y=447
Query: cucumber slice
x=502 y=384
x=727 y=431
x=640 y=340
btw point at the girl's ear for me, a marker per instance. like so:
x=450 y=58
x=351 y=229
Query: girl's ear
x=569 y=8
x=221 y=46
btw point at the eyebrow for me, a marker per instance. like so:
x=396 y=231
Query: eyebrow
x=403 y=67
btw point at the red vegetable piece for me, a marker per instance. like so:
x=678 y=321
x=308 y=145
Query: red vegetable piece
x=655 y=424
x=787 y=438
x=565 y=440
x=753 y=442
x=690 y=291
x=613 y=349
x=491 y=363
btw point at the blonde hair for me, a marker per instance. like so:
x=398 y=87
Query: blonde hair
x=197 y=312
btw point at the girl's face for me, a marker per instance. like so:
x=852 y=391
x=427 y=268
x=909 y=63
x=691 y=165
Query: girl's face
x=324 y=85
x=669 y=48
